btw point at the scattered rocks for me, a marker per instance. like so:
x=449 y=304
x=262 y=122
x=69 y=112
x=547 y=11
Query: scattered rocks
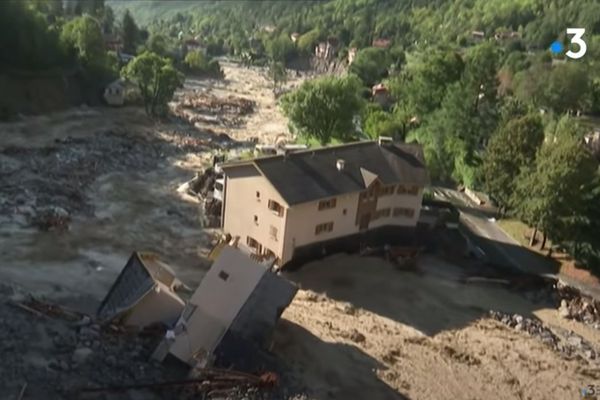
x=48 y=187
x=357 y=337
x=81 y=354
x=578 y=306
x=569 y=344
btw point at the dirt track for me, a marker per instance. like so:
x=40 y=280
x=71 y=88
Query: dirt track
x=362 y=329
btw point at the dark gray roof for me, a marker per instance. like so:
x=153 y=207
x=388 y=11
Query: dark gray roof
x=312 y=174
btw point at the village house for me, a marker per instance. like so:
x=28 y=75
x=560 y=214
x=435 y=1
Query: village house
x=193 y=45
x=231 y=315
x=112 y=42
x=309 y=203
x=507 y=35
x=294 y=37
x=381 y=95
x=114 y=93
x=477 y=36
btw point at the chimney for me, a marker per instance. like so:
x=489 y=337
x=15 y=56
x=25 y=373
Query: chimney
x=339 y=164
x=385 y=140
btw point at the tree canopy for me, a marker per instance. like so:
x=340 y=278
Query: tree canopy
x=325 y=108
x=156 y=78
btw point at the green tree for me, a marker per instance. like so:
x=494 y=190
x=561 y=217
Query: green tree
x=325 y=108
x=129 y=33
x=157 y=80
x=371 y=65
x=377 y=122
x=549 y=195
x=307 y=42
x=198 y=63
x=280 y=49
x=85 y=36
x=563 y=88
x=421 y=89
x=510 y=149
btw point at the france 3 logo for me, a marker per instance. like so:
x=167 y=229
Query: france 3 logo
x=577 y=39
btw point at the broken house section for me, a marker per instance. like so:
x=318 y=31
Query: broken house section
x=228 y=320
x=143 y=294
x=231 y=315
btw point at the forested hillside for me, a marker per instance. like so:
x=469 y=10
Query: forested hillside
x=473 y=81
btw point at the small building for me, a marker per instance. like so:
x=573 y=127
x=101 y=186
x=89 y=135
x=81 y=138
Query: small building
x=352 y=54
x=477 y=35
x=294 y=37
x=114 y=93
x=143 y=293
x=381 y=95
x=507 y=35
x=234 y=310
x=303 y=205
x=381 y=43
x=112 y=42
x=193 y=45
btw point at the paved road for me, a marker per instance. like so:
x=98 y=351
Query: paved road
x=501 y=248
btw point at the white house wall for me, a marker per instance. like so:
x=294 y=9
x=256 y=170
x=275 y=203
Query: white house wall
x=242 y=205
x=218 y=301
x=303 y=219
x=398 y=200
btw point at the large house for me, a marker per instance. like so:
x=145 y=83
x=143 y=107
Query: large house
x=302 y=205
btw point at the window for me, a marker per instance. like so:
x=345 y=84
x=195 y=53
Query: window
x=344 y=211
x=276 y=208
x=326 y=227
x=223 y=275
x=404 y=212
x=387 y=190
x=413 y=190
x=384 y=212
x=257 y=195
x=327 y=204
x=273 y=232
x=256 y=219
x=251 y=242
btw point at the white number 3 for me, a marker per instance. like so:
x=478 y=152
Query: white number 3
x=577 y=39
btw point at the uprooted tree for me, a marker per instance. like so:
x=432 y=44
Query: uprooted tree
x=157 y=80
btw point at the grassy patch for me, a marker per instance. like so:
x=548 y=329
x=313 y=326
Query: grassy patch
x=516 y=229
x=521 y=233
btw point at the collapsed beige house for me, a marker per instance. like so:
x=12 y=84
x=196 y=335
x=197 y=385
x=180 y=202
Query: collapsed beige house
x=230 y=315
x=309 y=203
x=143 y=293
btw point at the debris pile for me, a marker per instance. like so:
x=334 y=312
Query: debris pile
x=199 y=107
x=216 y=105
x=577 y=306
x=55 y=353
x=203 y=186
x=568 y=344
x=43 y=187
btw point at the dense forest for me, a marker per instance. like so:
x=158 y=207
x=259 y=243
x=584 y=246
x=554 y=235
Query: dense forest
x=473 y=81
